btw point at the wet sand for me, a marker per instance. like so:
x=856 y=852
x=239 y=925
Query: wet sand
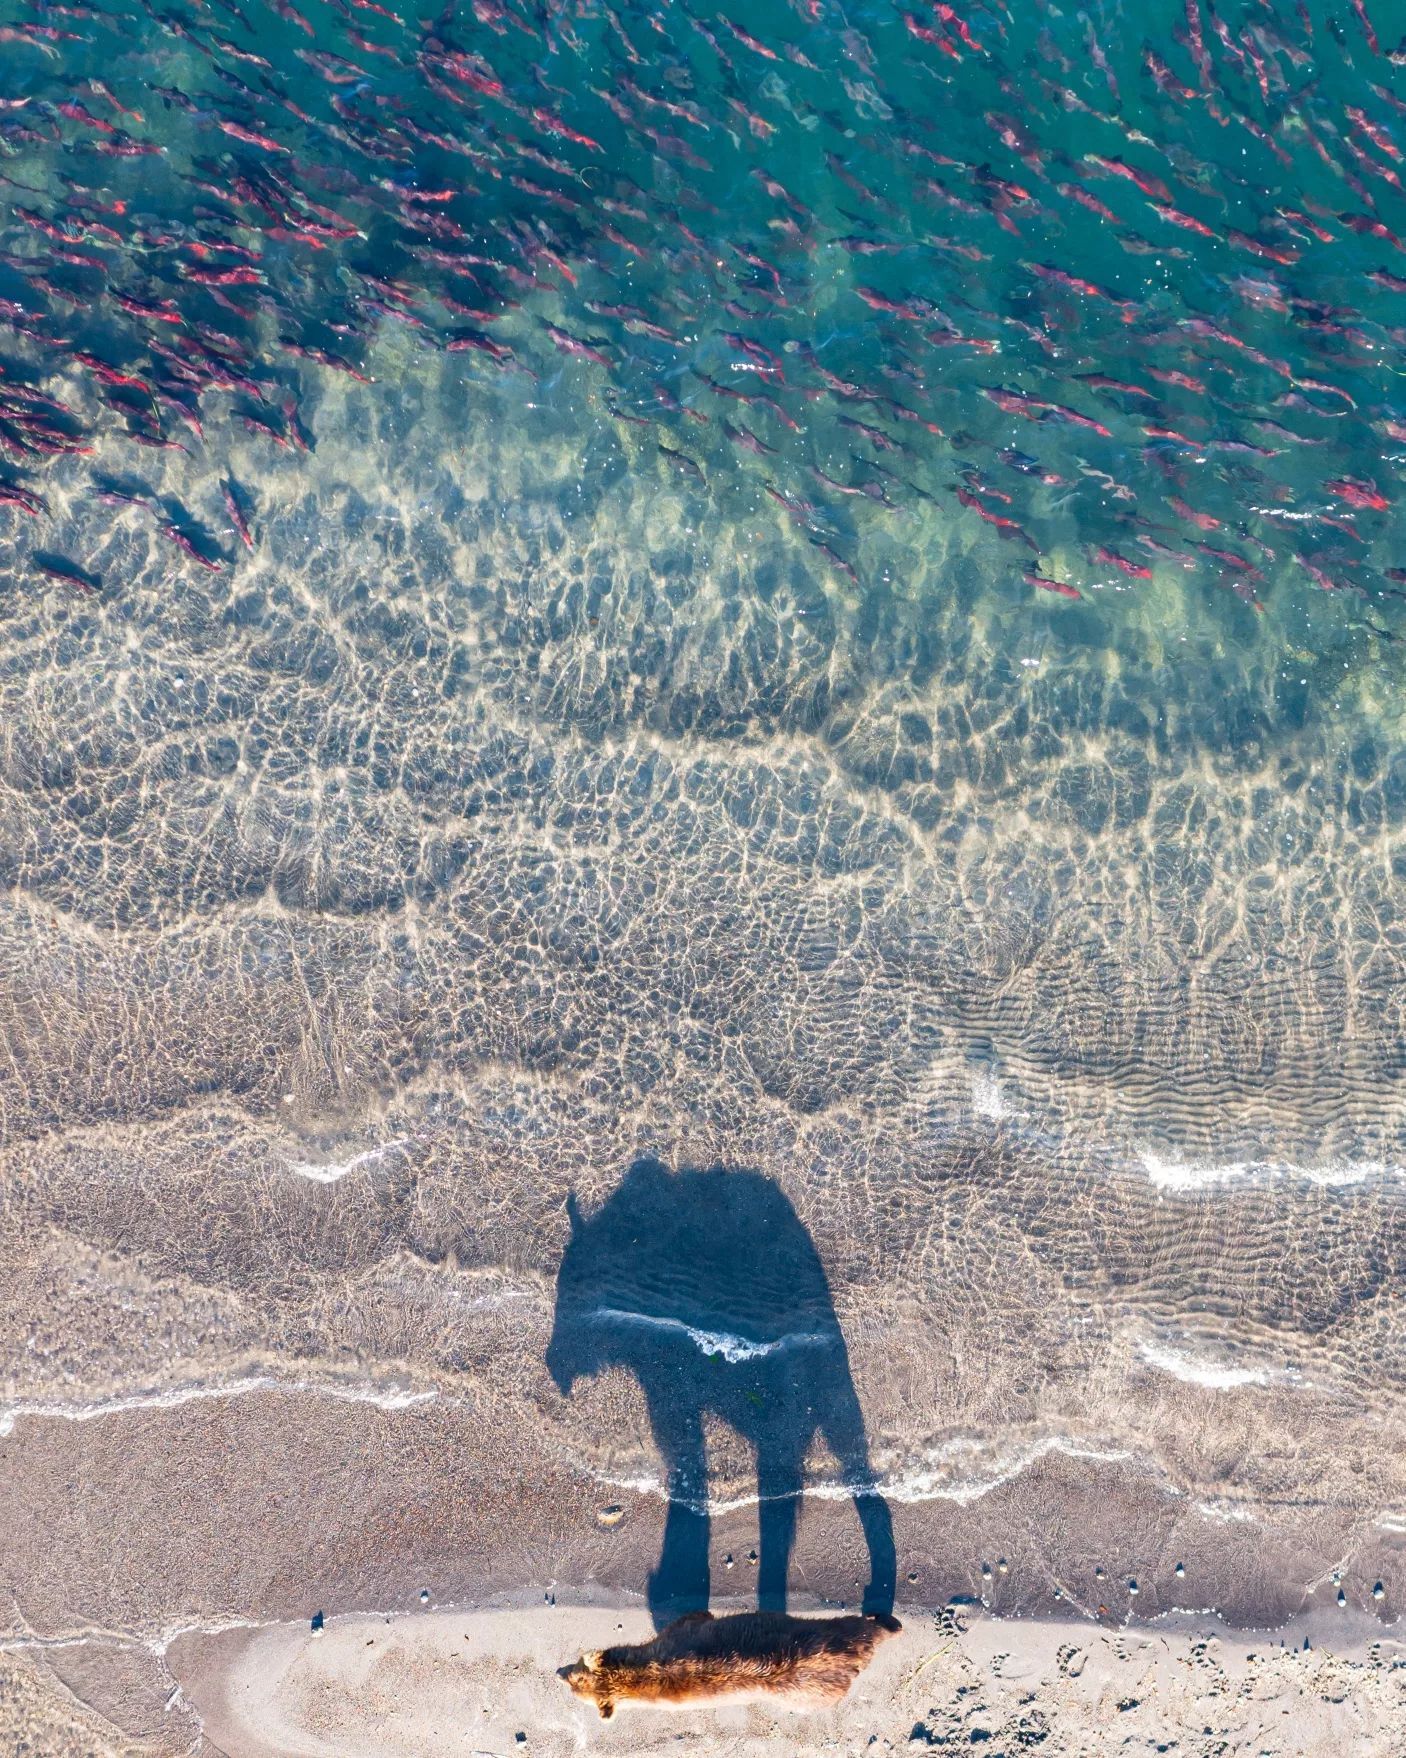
x=477 y=1682
x=189 y=1547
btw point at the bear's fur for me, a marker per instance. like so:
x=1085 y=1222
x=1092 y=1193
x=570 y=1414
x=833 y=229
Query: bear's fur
x=702 y=1659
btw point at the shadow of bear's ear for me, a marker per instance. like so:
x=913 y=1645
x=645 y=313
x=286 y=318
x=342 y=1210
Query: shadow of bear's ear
x=573 y=1212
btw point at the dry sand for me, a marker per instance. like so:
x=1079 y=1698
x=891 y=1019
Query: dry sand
x=463 y=1684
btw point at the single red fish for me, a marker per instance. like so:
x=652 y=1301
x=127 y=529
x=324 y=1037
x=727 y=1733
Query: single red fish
x=1149 y=185
x=1274 y=252
x=1075 y=283
x=1236 y=563
x=571 y=345
x=1182 y=380
x=750 y=41
x=236 y=516
x=1111 y=558
x=127 y=148
x=1004 y=527
x=76 y=112
x=1202 y=521
x=158 y=310
x=104 y=92
x=1360 y=8
x=182 y=542
x=1100 y=381
x=1175 y=217
x=1034 y=577
x=12 y=495
x=237 y=131
x=66 y=575
x=1317 y=575
x=239 y=276
x=1364 y=495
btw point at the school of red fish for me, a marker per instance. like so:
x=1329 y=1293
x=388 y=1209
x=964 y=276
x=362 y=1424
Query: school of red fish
x=841 y=260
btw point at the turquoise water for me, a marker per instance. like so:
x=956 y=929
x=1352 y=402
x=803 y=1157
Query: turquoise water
x=832 y=269
x=590 y=583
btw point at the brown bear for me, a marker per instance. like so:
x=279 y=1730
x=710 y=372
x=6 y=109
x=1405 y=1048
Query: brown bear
x=803 y=1662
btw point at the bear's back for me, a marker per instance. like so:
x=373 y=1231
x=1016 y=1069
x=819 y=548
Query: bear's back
x=700 y=1658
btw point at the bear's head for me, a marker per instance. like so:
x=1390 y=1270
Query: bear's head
x=587 y=1680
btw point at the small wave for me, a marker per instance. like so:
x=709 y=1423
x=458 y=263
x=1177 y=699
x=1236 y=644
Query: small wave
x=176 y=1396
x=952 y=1472
x=725 y=1343
x=1175 y=1174
x=157 y=1640
x=1201 y=1373
x=330 y=1174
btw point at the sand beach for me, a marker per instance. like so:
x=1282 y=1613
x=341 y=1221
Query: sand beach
x=467 y=1684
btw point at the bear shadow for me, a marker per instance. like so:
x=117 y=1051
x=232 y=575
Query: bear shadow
x=706 y=1286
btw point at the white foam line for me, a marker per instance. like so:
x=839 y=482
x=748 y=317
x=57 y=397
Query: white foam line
x=927 y=1484
x=178 y=1395
x=1201 y=1373
x=724 y=1343
x=330 y=1174
x=921 y=1484
x=157 y=1642
x=1173 y=1174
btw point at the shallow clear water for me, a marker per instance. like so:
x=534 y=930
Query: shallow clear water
x=558 y=778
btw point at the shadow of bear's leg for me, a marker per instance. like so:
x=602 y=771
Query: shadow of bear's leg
x=874 y=1517
x=680 y=1582
x=844 y=1432
x=779 y=1484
